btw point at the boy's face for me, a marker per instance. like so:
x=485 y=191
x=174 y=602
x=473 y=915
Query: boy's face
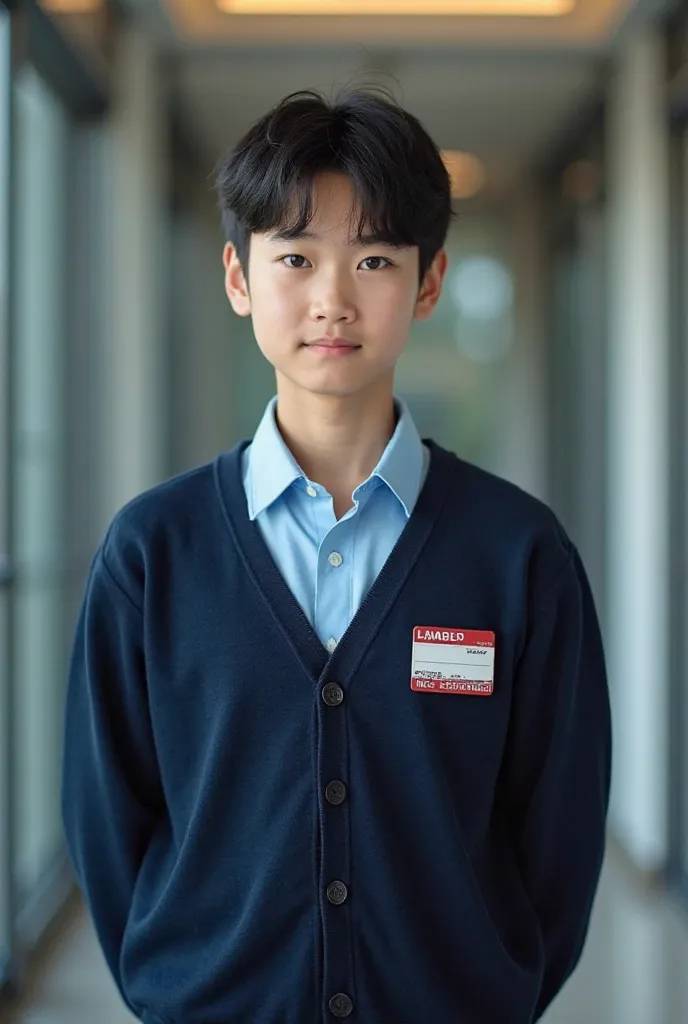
x=321 y=287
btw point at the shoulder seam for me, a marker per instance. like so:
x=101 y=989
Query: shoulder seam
x=114 y=579
x=569 y=550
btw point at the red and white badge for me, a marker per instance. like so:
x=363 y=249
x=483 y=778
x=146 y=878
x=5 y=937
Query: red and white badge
x=459 y=661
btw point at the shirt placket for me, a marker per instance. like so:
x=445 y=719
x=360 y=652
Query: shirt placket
x=334 y=582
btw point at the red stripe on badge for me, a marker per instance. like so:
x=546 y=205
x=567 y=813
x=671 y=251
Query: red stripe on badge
x=459 y=637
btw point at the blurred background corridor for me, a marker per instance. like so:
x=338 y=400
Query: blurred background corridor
x=557 y=358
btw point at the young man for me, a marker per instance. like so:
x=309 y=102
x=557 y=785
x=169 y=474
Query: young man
x=337 y=734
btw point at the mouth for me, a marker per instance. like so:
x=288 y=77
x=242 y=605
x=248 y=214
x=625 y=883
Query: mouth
x=332 y=346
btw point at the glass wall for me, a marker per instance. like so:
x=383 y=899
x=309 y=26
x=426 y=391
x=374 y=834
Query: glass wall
x=678 y=580
x=42 y=140
x=577 y=351
x=677 y=104
x=5 y=868
x=453 y=368
x=578 y=385
x=55 y=152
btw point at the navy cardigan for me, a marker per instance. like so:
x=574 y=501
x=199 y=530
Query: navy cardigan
x=269 y=834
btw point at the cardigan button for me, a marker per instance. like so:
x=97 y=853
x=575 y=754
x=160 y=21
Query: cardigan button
x=335 y=792
x=332 y=694
x=341 y=1005
x=337 y=893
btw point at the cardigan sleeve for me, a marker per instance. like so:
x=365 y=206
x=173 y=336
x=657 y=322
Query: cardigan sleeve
x=559 y=763
x=111 y=791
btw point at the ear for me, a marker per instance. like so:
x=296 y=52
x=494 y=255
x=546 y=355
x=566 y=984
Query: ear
x=235 y=282
x=431 y=288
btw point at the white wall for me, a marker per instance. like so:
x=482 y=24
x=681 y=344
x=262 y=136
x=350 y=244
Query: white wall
x=638 y=448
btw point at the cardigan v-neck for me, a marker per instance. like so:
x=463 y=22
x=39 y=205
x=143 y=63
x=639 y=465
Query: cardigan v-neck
x=276 y=593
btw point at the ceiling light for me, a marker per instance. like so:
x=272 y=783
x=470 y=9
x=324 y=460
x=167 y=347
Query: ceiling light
x=480 y=8
x=70 y=6
x=467 y=173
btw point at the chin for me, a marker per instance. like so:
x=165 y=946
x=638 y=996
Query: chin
x=333 y=388
x=336 y=382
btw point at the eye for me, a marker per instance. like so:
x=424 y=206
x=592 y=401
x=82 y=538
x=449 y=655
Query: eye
x=378 y=260
x=293 y=256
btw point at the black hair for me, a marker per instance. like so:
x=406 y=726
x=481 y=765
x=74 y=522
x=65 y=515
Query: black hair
x=402 y=187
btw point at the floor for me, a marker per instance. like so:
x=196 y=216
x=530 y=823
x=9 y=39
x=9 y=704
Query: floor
x=634 y=969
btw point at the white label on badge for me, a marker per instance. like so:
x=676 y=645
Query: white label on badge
x=453 y=661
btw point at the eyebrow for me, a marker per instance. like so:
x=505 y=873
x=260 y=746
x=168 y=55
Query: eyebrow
x=285 y=235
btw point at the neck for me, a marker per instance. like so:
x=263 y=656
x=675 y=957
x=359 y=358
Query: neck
x=337 y=441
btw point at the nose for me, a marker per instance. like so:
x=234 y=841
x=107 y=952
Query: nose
x=331 y=300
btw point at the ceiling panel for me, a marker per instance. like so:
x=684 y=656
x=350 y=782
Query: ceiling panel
x=503 y=88
x=501 y=107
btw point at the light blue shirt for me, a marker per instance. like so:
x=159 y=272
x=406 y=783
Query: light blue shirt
x=331 y=564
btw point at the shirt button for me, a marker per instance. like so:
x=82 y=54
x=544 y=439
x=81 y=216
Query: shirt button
x=335 y=792
x=332 y=694
x=337 y=893
x=335 y=559
x=311 y=492
x=331 y=644
x=341 y=1005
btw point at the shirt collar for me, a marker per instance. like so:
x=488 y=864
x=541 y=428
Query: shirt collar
x=273 y=468
x=401 y=465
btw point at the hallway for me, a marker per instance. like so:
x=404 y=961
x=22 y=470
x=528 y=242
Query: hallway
x=556 y=359
x=634 y=970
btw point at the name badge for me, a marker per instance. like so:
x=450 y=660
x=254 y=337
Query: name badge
x=459 y=661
